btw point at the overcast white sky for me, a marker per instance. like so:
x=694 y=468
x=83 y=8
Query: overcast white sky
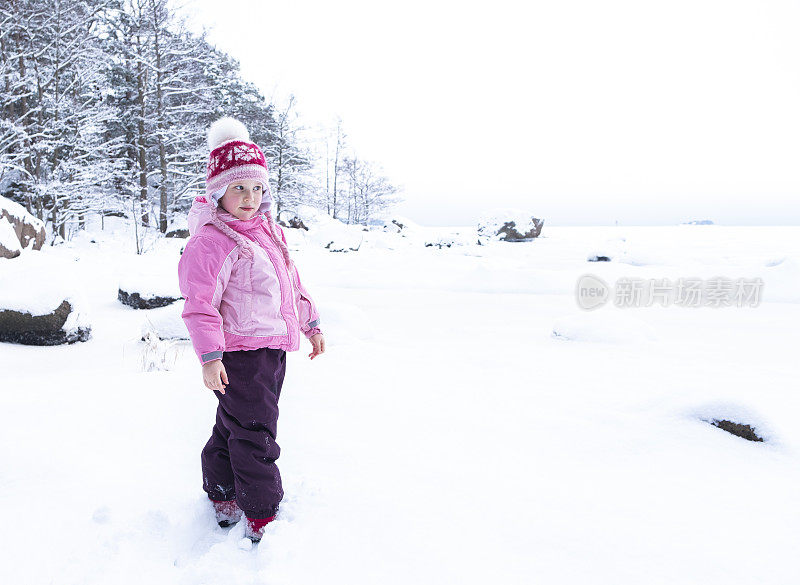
x=583 y=112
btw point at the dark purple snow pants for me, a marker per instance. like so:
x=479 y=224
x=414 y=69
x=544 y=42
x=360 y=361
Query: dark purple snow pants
x=239 y=459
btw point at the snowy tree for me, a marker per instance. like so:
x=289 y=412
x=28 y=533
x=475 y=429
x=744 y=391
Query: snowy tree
x=334 y=154
x=54 y=113
x=170 y=86
x=369 y=191
x=291 y=163
x=104 y=106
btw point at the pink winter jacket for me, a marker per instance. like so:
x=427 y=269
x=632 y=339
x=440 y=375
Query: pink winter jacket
x=239 y=293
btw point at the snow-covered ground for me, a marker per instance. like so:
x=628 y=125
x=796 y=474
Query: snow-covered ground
x=446 y=436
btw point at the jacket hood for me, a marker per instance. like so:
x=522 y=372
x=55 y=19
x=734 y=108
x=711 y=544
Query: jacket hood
x=205 y=210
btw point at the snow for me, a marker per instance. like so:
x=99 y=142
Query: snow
x=446 y=436
x=784 y=279
x=79 y=317
x=640 y=252
x=8 y=237
x=603 y=327
x=37 y=283
x=150 y=282
x=720 y=410
x=323 y=231
x=610 y=248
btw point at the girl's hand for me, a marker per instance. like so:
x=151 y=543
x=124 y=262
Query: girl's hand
x=318 y=341
x=214 y=375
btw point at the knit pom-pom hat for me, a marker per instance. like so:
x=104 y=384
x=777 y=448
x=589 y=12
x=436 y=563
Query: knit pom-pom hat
x=234 y=157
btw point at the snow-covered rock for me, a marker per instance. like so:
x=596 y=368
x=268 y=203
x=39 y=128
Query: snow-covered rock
x=40 y=301
x=377 y=239
x=636 y=252
x=178 y=226
x=449 y=240
x=65 y=324
x=303 y=217
x=440 y=242
x=177 y=233
x=400 y=224
x=148 y=300
x=289 y=218
x=337 y=236
x=508 y=224
x=28 y=230
x=149 y=289
x=717 y=411
x=606 y=251
x=165 y=322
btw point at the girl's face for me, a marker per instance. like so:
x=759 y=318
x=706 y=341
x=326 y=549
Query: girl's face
x=242 y=198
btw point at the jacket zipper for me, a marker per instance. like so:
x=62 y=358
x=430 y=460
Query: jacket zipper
x=280 y=287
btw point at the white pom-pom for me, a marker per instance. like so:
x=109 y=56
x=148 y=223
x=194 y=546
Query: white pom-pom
x=226 y=129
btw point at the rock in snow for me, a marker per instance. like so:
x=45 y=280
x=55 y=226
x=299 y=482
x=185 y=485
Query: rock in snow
x=737 y=419
x=449 y=240
x=144 y=300
x=399 y=224
x=165 y=323
x=178 y=227
x=177 y=233
x=290 y=219
x=744 y=431
x=336 y=236
x=39 y=304
x=27 y=230
x=64 y=324
x=308 y=225
x=510 y=225
x=148 y=290
x=302 y=217
x=607 y=251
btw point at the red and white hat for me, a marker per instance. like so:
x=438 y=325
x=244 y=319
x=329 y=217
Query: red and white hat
x=234 y=157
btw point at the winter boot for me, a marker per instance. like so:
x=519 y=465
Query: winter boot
x=254 y=528
x=227 y=513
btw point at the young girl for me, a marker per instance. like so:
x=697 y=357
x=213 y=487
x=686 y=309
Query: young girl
x=245 y=308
